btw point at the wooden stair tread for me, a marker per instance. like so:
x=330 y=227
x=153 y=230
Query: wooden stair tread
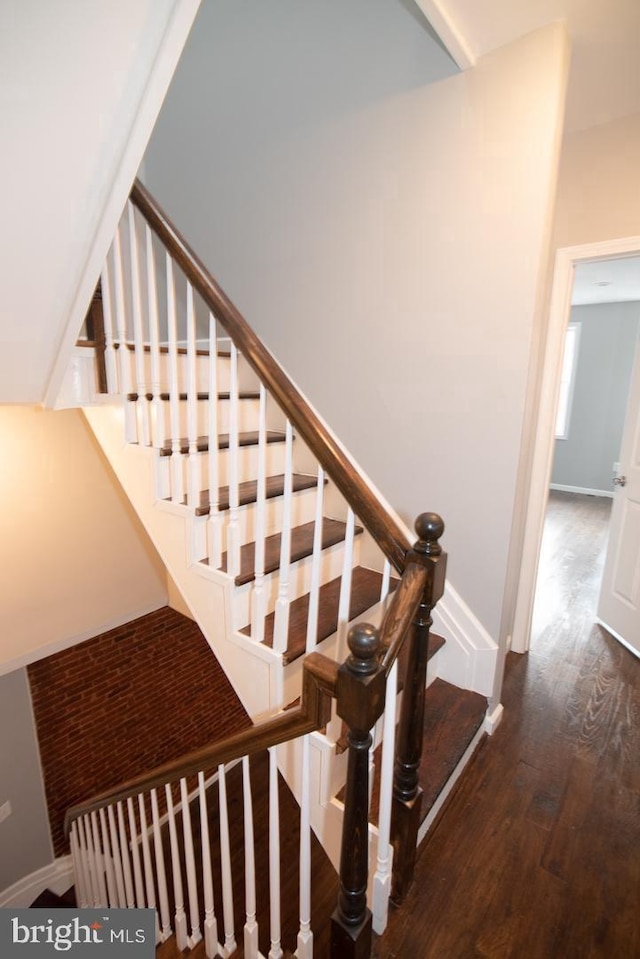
x=181 y=350
x=333 y=531
x=365 y=592
x=249 y=438
x=166 y=397
x=248 y=491
x=452 y=717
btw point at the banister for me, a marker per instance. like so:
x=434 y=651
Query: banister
x=325 y=447
x=313 y=712
x=400 y=613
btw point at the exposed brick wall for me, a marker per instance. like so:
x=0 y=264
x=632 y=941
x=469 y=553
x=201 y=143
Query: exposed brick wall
x=123 y=702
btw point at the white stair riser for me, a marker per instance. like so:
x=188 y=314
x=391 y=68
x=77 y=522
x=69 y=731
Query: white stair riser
x=247 y=464
x=331 y=566
x=247 y=380
x=302 y=511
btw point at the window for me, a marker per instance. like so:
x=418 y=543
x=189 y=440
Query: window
x=567 y=380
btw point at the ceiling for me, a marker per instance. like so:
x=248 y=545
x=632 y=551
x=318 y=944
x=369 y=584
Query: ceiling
x=606 y=281
x=604 y=81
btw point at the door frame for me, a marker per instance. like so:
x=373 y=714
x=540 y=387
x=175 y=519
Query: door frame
x=543 y=444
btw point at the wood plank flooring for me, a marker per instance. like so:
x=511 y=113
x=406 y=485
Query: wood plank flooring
x=537 y=854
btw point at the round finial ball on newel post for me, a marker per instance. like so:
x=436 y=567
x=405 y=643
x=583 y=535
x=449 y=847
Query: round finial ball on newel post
x=364 y=642
x=429 y=527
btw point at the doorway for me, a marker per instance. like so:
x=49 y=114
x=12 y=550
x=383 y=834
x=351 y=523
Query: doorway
x=567 y=260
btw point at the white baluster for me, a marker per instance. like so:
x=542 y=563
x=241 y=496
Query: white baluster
x=334 y=728
x=225 y=865
x=215 y=517
x=180 y=918
x=193 y=463
x=314 y=591
x=259 y=594
x=158 y=432
x=386 y=582
x=107 y=312
x=131 y=432
x=250 y=926
x=210 y=922
x=91 y=860
x=190 y=865
x=117 y=859
x=135 y=855
x=163 y=894
x=177 y=480
x=146 y=859
x=382 y=876
x=233 y=529
x=305 y=935
x=275 y=952
x=138 y=330
x=281 y=621
x=112 y=892
x=126 y=864
x=79 y=868
x=97 y=851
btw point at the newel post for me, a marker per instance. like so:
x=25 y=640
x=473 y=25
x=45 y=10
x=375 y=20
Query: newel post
x=360 y=693
x=407 y=794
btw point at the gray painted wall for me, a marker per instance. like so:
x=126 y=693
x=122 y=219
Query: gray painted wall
x=25 y=842
x=373 y=227
x=608 y=334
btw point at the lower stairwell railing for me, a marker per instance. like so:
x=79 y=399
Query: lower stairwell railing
x=128 y=849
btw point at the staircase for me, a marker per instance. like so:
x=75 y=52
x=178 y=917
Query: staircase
x=278 y=544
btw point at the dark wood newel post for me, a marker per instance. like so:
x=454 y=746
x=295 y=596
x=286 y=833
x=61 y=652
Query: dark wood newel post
x=407 y=794
x=360 y=693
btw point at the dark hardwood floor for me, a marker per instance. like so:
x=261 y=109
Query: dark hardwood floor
x=537 y=854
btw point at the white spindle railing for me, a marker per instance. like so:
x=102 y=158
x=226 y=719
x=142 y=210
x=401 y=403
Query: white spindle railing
x=193 y=463
x=233 y=529
x=316 y=561
x=250 y=926
x=225 y=865
x=305 y=935
x=107 y=312
x=189 y=853
x=281 y=620
x=215 y=518
x=178 y=895
x=275 y=952
x=210 y=923
x=163 y=892
x=177 y=477
x=259 y=595
x=142 y=408
x=158 y=431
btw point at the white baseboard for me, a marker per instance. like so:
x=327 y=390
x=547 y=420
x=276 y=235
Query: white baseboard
x=493 y=719
x=621 y=639
x=57 y=876
x=452 y=780
x=581 y=489
x=470 y=657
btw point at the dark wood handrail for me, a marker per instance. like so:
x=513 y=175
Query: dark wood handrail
x=325 y=447
x=401 y=611
x=313 y=712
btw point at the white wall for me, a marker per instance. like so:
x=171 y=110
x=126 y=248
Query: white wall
x=75 y=559
x=25 y=841
x=384 y=236
x=81 y=86
x=599 y=184
x=608 y=333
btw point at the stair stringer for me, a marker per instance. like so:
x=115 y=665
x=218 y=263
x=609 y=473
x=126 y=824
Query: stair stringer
x=175 y=533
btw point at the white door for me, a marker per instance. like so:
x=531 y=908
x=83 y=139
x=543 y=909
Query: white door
x=619 y=603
